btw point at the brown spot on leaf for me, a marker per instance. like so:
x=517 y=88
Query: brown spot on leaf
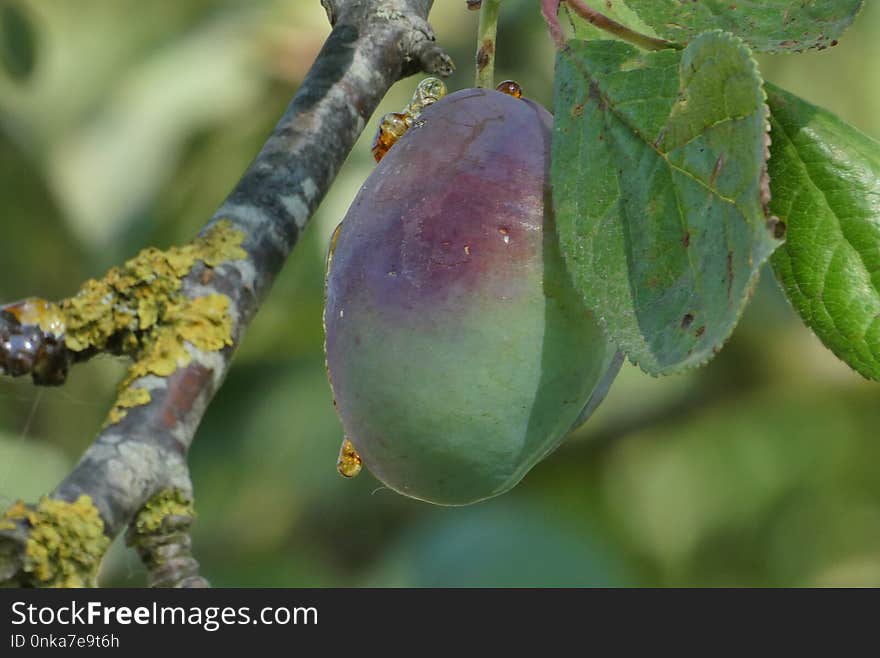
x=686 y=239
x=699 y=332
x=776 y=227
x=687 y=320
x=660 y=138
x=729 y=273
x=719 y=163
x=577 y=110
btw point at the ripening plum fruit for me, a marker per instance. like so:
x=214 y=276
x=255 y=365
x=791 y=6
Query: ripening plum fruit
x=458 y=351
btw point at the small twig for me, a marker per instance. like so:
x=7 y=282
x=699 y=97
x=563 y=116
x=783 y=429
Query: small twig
x=486 y=36
x=602 y=22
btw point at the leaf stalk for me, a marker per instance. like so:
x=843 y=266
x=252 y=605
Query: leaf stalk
x=602 y=22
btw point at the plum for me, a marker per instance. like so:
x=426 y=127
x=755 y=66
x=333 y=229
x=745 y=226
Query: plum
x=458 y=351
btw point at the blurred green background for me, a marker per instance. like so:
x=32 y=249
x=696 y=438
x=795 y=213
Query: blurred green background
x=124 y=124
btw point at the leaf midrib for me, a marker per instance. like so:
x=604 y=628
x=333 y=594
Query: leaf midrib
x=662 y=154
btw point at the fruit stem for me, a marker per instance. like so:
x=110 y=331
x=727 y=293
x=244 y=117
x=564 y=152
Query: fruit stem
x=550 y=11
x=602 y=22
x=486 y=33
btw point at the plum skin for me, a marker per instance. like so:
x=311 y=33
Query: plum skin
x=458 y=351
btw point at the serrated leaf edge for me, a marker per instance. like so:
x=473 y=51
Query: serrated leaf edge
x=765 y=190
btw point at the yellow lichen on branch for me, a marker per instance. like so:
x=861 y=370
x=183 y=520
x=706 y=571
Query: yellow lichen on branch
x=127 y=398
x=203 y=322
x=134 y=298
x=65 y=541
x=138 y=309
x=164 y=505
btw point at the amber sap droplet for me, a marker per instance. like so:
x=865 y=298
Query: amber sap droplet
x=37 y=312
x=510 y=88
x=333 y=240
x=393 y=125
x=391 y=128
x=349 y=463
x=428 y=92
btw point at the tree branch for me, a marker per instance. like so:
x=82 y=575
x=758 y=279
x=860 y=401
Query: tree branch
x=207 y=292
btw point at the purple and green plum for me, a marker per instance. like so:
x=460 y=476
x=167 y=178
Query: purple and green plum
x=458 y=351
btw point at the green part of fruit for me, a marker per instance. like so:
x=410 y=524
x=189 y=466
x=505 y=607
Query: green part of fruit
x=459 y=352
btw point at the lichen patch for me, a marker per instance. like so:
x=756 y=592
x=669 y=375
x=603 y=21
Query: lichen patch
x=166 y=504
x=65 y=542
x=139 y=310
x=117 y=312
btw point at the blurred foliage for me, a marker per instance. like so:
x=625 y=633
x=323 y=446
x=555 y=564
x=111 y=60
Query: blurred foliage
x=124 y=124
x=17 y=42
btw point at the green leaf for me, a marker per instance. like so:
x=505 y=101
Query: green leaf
x=766 y=25
x=826 y=188
x=659 y=184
